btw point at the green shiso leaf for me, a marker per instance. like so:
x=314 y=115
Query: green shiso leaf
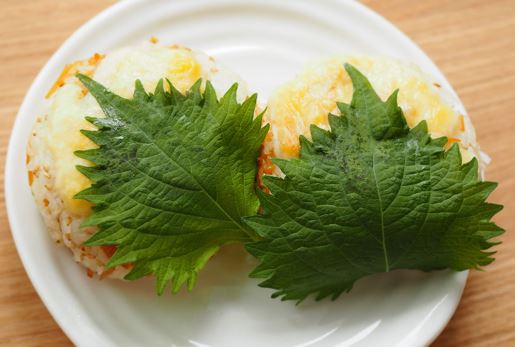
x=369 y=196
x=173 y=176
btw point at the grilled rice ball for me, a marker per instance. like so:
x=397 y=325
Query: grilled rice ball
x=53 y=178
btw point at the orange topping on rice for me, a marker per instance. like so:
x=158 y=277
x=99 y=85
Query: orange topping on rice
x=60 y=80
x=153 y=40
x=109 y=250
x=462 y=123
x=265 y=167
x=96 y=58
x=450 y=141
x=31 y=177
x=73 y=68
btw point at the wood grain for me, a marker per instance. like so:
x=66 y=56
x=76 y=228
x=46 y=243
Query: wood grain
x=472 y=41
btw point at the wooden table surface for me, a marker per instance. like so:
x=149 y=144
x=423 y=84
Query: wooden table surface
x=472 y=41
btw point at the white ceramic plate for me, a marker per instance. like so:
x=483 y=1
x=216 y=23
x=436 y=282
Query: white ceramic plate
x=265 y=42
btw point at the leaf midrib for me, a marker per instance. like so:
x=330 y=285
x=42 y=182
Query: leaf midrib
x=203 y=189
x=381 y=213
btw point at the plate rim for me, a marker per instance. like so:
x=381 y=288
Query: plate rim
x=78 y=336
